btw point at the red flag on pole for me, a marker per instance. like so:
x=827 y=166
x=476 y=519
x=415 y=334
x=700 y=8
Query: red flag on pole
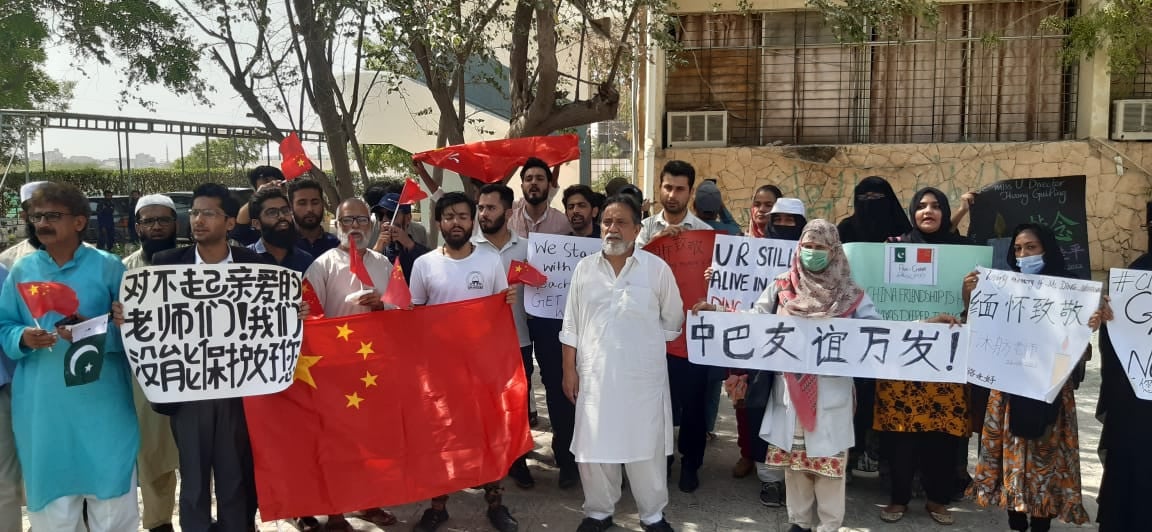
x=43 y=298
x=522 y=272
x=356 y=264
x=294 y=162
x=315 y=309
x=375 y=421
x=397 y=292
x=411 y=193
x=491 y=161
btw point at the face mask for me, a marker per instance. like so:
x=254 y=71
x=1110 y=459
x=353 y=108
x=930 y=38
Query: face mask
x=1032 y=264
x=814 y=260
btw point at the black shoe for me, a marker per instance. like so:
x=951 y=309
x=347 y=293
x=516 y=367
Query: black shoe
x=796 y=528
x=569 y=477
x=772 y=494
x=659 y=526
x=595 y=525
x=689 y=480
x=502 y=519
x=162 y=528
x=533 y=419
x=431 y=520
x=522 y=475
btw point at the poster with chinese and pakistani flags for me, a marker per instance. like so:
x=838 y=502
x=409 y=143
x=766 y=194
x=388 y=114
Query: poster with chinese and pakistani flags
x=392 y=407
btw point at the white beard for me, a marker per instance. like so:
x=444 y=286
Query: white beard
x=616 y=248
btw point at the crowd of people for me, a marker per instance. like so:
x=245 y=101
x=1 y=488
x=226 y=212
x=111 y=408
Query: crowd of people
x=75 y=456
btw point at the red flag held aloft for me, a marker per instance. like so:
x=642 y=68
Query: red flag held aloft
x=315 y=309
x=356 y=264
x=43 y=298
x=397 y=292
x=491 y=161
x=294 y=162
x=411 y=193
x=522 y=272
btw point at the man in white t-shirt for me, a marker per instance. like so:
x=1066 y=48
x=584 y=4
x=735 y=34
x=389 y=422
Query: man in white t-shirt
x=459 y=271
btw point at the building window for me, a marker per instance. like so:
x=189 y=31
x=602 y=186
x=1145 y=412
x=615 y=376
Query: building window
x=984 y=74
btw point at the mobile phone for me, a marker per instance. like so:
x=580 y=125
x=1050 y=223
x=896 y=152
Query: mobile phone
x=70 y=320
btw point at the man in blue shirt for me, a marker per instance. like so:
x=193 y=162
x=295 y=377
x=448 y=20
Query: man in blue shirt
x=272 y=217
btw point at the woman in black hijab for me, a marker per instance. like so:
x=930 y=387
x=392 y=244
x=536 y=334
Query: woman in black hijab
x=932 y=219
x=877 y=214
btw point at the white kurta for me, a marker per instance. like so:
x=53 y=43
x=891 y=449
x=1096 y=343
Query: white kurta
x=619 y=326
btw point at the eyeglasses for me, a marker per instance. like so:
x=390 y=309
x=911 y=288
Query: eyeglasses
x=50 y=217
x=204 y=213
x=282 y=212
x=354 y=220
x=160 y=221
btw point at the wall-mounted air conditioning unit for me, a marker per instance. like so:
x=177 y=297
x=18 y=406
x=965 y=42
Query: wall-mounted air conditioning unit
x=699 y=129
x=1132 y=120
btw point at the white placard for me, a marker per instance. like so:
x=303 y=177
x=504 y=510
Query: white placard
x=555 y=256
x=912 y=264
x=211 y=331
x=1028 y=331
x=1131 y=328
x=840 y=347
x=743 y=267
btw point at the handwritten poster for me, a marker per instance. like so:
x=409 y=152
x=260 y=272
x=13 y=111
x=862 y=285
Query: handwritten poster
x=1131 y=329
x=743 y=267
x=1028 y=331
x=555 y=256
x=688 y=254
x=211 y=331
x=912 y=264
x=838 y=347
x=908 y=301
x=1056 y=202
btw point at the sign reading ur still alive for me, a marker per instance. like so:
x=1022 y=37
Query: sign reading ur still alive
x=1131 y=329
x=1056 y=202
x=1028 y=331
x=742 y=268
x=688 y=254
x=555 y=256
x=910 y=282
x=211 y=331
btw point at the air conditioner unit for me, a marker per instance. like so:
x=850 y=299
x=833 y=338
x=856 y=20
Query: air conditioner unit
x=1132 y=120
x=699 y=129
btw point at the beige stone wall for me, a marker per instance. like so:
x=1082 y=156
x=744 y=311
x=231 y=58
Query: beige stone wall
x=824 y=178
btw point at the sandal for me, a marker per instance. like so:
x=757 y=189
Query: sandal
x=306 y=524
x=889 y=516
x=941 y=518
x=377 y=516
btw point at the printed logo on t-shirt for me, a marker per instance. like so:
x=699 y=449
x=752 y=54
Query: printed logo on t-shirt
x=475 y=281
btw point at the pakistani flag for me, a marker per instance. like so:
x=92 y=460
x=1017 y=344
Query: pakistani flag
x=85 y=357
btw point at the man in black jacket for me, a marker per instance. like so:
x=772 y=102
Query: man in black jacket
x=212 y=435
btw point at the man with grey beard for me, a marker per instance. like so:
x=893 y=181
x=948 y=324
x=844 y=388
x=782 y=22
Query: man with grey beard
x=616 y=373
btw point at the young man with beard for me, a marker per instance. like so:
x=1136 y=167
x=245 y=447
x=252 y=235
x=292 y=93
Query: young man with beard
x=459 y=271
x=272 y=216
x=583 y=210
x=158 y=460
x=260 y=178
x=332 y=278
x=494 y=204
x=76 y=444
x=689 y=382
x=307 y=199
x=623 y=305
x=533 y=215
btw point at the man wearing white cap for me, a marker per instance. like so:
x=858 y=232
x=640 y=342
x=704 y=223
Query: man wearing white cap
x=158 y=459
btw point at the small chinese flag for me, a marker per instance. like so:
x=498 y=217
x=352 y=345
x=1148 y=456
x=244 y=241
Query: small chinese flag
x=294 y=163
x=356 y=265
x=522 y=272
x=397 y=292
x=315 y=309
x=411 y=193
x=924 y=256
x=43 y=298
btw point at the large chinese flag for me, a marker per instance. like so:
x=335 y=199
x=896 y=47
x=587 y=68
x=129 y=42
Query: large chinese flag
x=390 y=408
x=688 y=255
x=491 y=161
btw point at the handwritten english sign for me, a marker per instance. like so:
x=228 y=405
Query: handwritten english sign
x=211 y=331
x=1131 y=329
x=555 y=256
x=743 y=267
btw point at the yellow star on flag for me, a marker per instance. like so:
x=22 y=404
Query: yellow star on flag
x=344 y=331
x=519 y=268
x=369 y=379
x=34 y=290
x=300 y=162
x=354 y=400
x=304 y=369
x=365 y=350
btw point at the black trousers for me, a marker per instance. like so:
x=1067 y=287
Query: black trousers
x=545 y=334
x=1019 y=521
x=689 y=386
x=212 y=439
x=932 y=453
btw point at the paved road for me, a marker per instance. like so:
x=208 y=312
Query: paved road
x=724 y=504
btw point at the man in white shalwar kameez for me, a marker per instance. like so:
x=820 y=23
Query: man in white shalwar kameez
x=623 y=305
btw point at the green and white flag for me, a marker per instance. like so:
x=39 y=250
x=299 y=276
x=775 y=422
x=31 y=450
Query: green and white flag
x=85 y=357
